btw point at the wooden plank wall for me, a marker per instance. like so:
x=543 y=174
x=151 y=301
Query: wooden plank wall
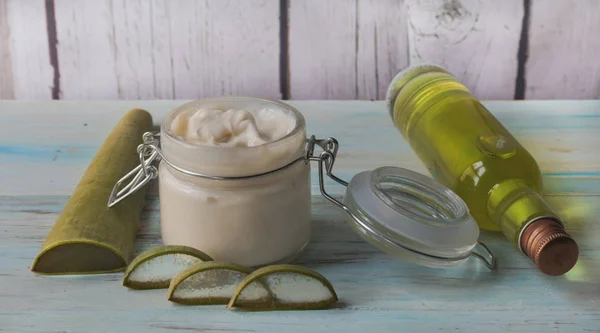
x=564 y=49
x=477 y=40
x=167 y=49
x=6 y=77
x=345 y=49
x=294 y=49
x=31 y=70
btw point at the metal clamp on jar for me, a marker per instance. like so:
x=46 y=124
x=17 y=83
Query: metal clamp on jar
x=262 y=215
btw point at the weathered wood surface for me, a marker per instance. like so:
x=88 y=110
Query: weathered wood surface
x=345 y=49
x=563 y=50
x=26 y=29
x=6 y=77
x=298 y=49
x=45 y=147
x=167 y=49
x=476 y=40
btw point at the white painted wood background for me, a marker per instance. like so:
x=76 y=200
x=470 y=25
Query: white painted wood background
x=294 y=49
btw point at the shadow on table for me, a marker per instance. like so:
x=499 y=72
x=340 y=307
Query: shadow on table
x=335 y=246
x=580 y=213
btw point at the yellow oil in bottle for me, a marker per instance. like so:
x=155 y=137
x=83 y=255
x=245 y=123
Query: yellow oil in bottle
x=468 y=150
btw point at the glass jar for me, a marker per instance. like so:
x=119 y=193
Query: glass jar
x=249 y=221
x=252 y=205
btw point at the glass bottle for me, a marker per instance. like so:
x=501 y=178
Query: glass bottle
x=468 y=150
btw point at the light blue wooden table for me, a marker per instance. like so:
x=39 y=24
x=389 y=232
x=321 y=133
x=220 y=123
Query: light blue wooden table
x=46 y=146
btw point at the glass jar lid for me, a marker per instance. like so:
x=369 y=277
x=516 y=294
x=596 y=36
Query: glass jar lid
x=411 y=216
x=406 y=214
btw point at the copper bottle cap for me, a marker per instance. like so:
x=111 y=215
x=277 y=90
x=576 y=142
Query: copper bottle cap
x=550 y=247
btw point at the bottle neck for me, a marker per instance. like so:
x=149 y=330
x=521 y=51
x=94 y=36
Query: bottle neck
x=514 y=205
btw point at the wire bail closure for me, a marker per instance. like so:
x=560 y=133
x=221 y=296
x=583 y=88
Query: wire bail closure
x=149 y=153
x=326 y=160
x=142 y=174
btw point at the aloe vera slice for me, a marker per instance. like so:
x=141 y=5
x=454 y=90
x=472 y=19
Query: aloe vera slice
x=290 y=287
x=210 y=282
x=154 y=269
x=89 y=237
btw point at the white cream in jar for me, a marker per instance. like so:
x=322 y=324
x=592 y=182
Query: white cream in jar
x=252 y=221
